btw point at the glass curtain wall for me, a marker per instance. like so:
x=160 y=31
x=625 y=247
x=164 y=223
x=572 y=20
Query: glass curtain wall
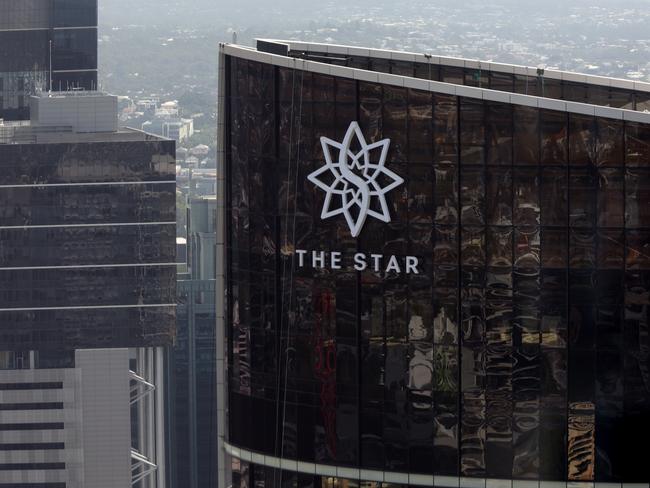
x=520 y=352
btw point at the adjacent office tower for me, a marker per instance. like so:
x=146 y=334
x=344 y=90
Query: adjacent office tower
x=437 y=271
x=87 y=296
x=45 y=44
x=87 y=264
x=193 y=357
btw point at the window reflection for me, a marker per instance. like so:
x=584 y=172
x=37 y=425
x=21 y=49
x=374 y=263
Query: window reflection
x=554 y=138
x=446 y=194
x=472 y=191
x=610 y=198
x=637 y=191
x=526 y=136
x=528 y=316
x=498 y=197
x=499 y=121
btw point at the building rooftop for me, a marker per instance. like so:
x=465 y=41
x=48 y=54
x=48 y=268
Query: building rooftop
x=604 y=97
x=70 y=117
x=11 y=133
x=341 y=50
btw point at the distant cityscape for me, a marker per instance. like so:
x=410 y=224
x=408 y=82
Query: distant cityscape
x=601 y=40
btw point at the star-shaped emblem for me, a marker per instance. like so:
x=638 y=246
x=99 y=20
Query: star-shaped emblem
x=355 y=190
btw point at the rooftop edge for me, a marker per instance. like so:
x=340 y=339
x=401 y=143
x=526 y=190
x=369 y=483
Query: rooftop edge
x=462 y=62
x=252 y=54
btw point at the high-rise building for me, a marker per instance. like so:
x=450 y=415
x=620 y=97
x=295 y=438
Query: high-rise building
x=436 y=271
x=87 y=296
x=88 y=230
x=45 y=45
x=193 y=357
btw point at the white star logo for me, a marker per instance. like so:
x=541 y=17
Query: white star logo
x=355 y=187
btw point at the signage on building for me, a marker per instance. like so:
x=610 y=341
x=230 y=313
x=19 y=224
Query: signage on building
x=352 y=179
x=356 y=181
x=359 y=261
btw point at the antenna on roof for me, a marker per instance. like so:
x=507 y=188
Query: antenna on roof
x=50 y=65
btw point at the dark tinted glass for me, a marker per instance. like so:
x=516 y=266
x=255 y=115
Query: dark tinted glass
x=33 y=47
x=75 y=49
x=547 y=85
x=86 y=287
x=75 y=13
x=515 y=354
x=88 y=245
x=92 y=328
x=25 y=164
x=75 y=256
x=25 y=14
x=32 y=33
x=99 y=204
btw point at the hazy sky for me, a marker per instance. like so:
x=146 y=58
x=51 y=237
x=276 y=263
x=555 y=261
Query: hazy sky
x=219 y=12
x=183 y=34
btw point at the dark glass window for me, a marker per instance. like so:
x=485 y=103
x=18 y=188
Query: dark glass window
x=581 y=140
x=583 y=191
x=637 y=194
x=445 y=128
x=609 y=143
x=451 y=74
x=100 y=204
x=575 y=92
x=549 y=88
x=33 y=46
x=526 y=85
x=637 y=145
x=472 y=193
x=526 y=193
x=526 y=136
x=427 y=71
x=598 y=95
x=610 y=198
x=642 y=103
x=498 y=197
x=501 y=81
x=499 y=121
x=554 y=133
x=554 y=196
x=472 y=131
x=476 y=77
x=75 y=13
x=74 y=49
x=517 y=353
x=420 y=134
x=622 y=99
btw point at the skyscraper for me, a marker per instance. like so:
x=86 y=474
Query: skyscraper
x=436 y=271
x=88 y=230
x=87 y=217
x=87 y=296
x=194 y=355
x=45 y=44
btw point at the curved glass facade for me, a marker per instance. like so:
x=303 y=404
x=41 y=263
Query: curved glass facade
x=518 y=351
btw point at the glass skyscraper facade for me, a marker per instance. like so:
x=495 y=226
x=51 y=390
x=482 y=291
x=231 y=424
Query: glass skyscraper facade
x=87 y=296
x=43 y=44
x=193 y=356
x=518 y=352
x=87 y=253
x=87 y=264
